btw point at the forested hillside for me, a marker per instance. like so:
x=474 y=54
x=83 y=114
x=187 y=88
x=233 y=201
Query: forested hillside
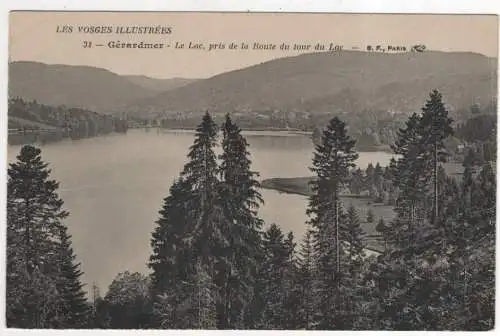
x=81 y=87
x=30 y=121
x=347 y=81
x=373 y=92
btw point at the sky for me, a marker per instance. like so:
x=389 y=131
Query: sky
x=33 y=36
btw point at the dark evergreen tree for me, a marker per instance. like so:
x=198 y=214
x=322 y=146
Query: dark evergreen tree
x=196 y=303
x=407 y=177
x=76 y=311
x=421 y=146
x=200 y=173
x=34 y=221
x=100 y=316
x=169 y=261
x=369 y=181
x=353 y=263
x=354 y=239
x=356 y=183
x=172 y=259
x=331 y=163
x=471 y=257
x=487 y=197
x=272 y=277
x=382 y=230
x=435 y=128
x=306 y=283
x=189 y=239
x=291 y=308
x=240 y=200
x=127 y=303
x=370 y=217
x=417 y=262
x=377 y=182
x=479 y=297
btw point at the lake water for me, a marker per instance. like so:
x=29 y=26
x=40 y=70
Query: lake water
x=113 y=187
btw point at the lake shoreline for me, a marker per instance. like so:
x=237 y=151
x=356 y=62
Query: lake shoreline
x=300 y=186
x=309 y=134
x=120 y=180
x=53 y=137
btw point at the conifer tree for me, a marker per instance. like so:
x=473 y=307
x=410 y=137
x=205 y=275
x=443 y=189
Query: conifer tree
x=189 y=239
x=100 y=317
x=169 y=261
x=331 y=163
x=306 y=282
x=377 y=182
x=356 y=183
x=190 y=304
x=421 y=146
x=461 y=233
x=172 y=259
x=127 y=302
x=354 y=239
x=382 y=228
x=470 y=158
x=76 y=312
x=435 y=128
x=273 y=286
x=487 y=187
x=370 y=180
x=34 y=221
x=416 y=262
x=202 y=301
x=407 y=177
x=399 y=262
x=200 y=173
x=240 y=200
x=291 y=303
x=353 y=262
x=470 y=248
x=370 y=218
x=448 y=197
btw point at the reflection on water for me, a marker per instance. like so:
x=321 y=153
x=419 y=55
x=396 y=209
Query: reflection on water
x=113 y=187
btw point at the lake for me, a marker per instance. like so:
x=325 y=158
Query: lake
x=113 y=187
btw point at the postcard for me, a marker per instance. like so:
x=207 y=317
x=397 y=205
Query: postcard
x=238 y=171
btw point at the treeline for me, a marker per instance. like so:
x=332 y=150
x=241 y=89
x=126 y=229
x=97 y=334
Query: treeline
x=370 y=128
x=35 y=122
x=479 y=136
x=478 y=128
x=247 y=121
x=374 y=182
x=215 y=266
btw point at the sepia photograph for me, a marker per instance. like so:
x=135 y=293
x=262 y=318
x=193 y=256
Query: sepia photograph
x=246 y=170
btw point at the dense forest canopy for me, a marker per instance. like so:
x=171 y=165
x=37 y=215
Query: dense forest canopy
x=48 y=123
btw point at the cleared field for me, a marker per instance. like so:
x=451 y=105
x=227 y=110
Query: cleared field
x=300 y=186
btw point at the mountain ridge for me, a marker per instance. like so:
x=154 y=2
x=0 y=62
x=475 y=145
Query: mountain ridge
x=82 y=86
x=321 y=82
x=280 y=83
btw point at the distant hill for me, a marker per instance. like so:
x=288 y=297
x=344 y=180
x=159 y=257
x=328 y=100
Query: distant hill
x=160 y=84
x=459 y=91
x=342 y=82
x=345 y=81
x=85 y=87
x=30 y=121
